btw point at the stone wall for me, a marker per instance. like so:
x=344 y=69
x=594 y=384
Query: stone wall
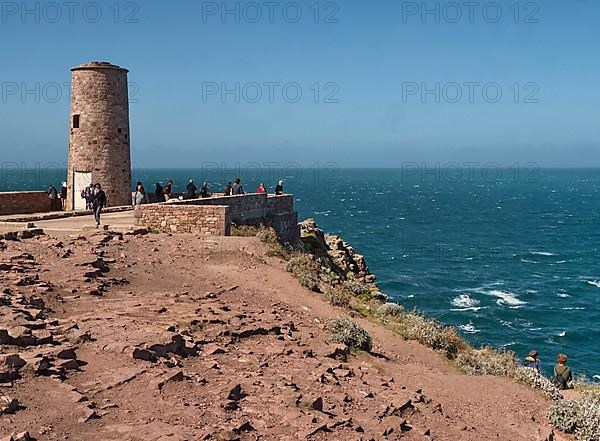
x=250 y=209
x=24 y=202
x=177 y=218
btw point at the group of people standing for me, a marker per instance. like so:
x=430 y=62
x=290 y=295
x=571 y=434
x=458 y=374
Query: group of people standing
x=54 y=197
x=164 y=194
x=563 y=376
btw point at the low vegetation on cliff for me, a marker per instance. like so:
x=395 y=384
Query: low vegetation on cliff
x=329 y=265
x=345 y=331
x=580 y=417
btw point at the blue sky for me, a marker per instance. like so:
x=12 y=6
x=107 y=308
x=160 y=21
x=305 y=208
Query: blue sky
x=369 y=61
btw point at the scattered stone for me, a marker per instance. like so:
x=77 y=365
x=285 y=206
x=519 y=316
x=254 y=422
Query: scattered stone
x=317 y=404
x=144 y=354
x=8 y=404
x=12 y=361
x=89 y=414
x=237 y=393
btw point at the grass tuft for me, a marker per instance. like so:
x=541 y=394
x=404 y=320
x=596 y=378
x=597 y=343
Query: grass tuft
x=345 y=331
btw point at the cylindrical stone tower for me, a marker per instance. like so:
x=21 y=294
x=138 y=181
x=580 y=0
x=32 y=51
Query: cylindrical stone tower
x=99 y=144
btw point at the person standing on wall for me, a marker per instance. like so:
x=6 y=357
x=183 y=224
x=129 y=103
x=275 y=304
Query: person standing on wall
x=261 y=189
x=205 y=190
x=279 y=188
x=168 y=190
x=228 y=189
x=158 y=191
x=98 y=203
x=191 y=190
x=237 y=188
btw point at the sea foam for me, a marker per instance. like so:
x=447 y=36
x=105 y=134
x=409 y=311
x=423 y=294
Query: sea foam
x=469 y=328
x=464 y=302
x=507 y=298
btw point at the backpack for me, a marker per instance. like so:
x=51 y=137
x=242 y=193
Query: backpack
x=560 y=379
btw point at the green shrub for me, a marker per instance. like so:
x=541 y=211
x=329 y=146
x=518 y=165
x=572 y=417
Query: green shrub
x=580 y=416
x=267 y=235
x=532 y=378
x=345 y=331
x=302 y=264
x=379 y=296
x=389 y=311
x=358 y=288
x=308 y=280
x=430 y=332
x=243 y=230
x=487 y=361
x=338 y=297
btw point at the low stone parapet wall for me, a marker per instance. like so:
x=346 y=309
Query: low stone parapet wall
x=179 y=218
x=26 y=202
x=250 y=209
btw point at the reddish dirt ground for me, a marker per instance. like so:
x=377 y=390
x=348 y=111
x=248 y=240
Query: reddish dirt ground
x=156 y=337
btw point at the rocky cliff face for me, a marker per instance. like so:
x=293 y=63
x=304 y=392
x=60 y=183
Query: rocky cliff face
x=351 y=264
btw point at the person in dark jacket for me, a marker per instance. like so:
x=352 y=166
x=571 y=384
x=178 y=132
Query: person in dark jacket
x=191 y=190
x=228 y=189
x=532 y=361
x=168 y=190
x=53 y=196
x=63 y=195
x=158 y=191
x=279 y=188
x=237 y=188
x=98 y=203
x=205 y=190
x=562 y=373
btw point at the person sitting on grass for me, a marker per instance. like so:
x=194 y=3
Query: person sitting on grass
x=532 y=361
x=562 y=373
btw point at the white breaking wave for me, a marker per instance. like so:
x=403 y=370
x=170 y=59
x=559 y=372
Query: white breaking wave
x=562 y=334
x=595 y=283
x=469 y=329
x=564 y=294
x=542 y=253
x=465 y=301
x=507 y=298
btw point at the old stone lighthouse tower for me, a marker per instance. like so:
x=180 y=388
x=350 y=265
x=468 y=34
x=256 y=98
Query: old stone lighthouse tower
x=99 y=144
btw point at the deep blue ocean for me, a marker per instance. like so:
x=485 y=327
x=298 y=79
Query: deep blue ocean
x=511 y=257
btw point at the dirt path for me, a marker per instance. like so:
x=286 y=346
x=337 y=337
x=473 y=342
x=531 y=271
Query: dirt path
x=185 y=338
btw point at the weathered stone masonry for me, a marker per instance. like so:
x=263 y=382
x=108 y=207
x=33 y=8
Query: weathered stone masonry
x=24 y=202
x=169 y=218
x=99 y=133
x=215 y=216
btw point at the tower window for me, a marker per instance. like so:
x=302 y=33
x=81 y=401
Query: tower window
x=75 y=121
x=120 y=131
